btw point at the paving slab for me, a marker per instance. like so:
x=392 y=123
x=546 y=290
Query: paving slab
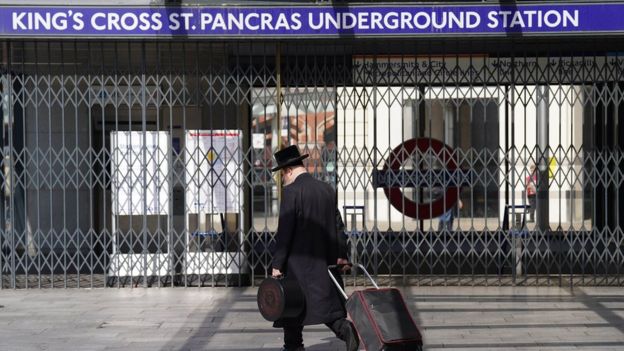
x=450 y=318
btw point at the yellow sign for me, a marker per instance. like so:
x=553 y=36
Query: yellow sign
x=552 y=164
x=211 y=156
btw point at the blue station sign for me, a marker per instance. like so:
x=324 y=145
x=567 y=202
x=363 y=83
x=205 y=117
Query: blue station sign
x=314 y=21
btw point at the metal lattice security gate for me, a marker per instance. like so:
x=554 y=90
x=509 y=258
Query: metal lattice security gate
x=147 y=163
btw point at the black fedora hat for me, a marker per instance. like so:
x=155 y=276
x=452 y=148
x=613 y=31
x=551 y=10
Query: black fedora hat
x=288 y=156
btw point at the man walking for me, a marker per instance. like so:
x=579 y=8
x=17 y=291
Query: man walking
x=306 y=243
x=531 y=191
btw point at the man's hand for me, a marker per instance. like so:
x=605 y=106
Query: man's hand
x=346 y=266
x=276 y=273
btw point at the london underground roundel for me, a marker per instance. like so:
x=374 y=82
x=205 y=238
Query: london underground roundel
x=394 y=163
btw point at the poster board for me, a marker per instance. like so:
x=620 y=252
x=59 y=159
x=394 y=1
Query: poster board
x=140 y=173
x=214 y=171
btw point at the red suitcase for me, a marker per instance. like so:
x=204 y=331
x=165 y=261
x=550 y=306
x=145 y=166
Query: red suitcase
x=381 y=318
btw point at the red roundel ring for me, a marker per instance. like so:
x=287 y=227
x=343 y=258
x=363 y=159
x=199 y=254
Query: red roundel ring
x=395 y=195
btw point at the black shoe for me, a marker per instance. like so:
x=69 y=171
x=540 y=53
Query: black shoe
x=351 y=337
x=300 y=348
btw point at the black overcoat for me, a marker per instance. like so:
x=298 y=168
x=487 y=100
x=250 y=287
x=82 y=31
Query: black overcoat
x=307 y=241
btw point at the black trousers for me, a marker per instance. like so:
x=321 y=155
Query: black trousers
x=532 y=206
x=293 y=335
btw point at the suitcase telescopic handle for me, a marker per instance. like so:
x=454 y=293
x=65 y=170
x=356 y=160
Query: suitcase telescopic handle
x=329 y=268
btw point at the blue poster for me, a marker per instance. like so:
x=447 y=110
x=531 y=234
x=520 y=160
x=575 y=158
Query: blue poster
x=312 y=21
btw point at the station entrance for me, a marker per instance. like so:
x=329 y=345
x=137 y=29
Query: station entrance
x=148 y=162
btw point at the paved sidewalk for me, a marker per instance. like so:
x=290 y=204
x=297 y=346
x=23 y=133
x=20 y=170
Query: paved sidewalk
x=451 y=318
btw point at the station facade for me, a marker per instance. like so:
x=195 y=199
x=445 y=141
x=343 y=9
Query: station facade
x=138 y=139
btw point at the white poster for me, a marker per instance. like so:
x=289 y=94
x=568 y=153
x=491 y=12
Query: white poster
x=214 y=172
x=140 y=183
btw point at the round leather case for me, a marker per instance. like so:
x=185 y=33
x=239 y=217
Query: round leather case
x=280 y=298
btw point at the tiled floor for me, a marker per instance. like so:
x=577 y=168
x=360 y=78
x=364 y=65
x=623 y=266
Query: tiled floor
x=451 y=318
